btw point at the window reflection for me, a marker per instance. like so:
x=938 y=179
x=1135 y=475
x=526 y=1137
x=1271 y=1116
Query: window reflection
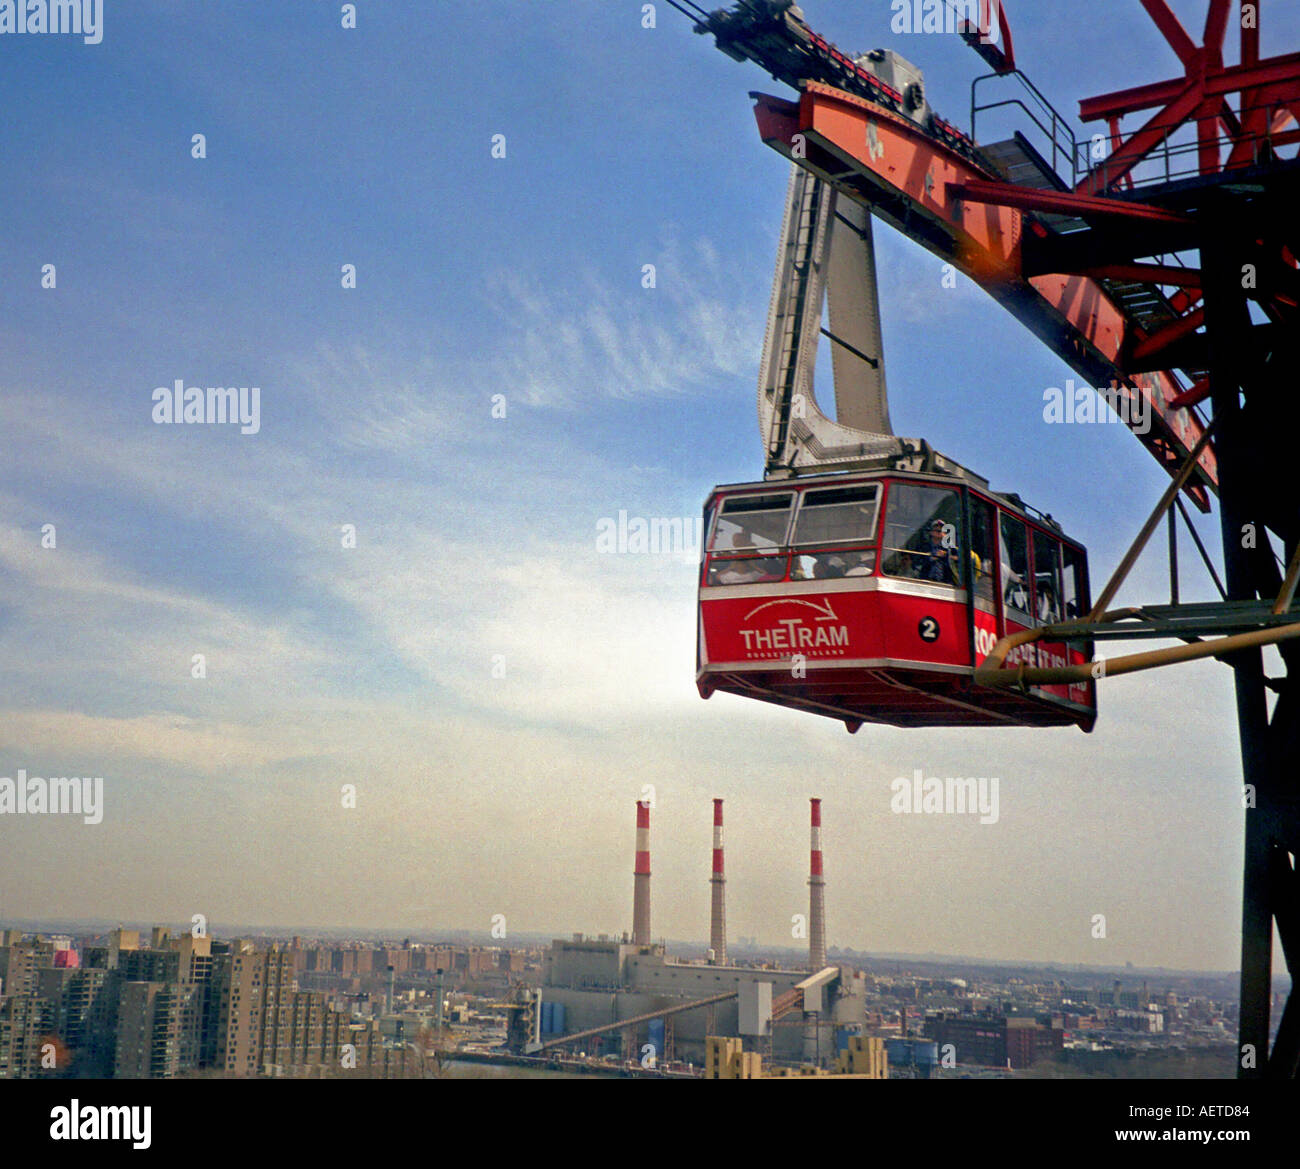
x=832 y=565
x=747 y=570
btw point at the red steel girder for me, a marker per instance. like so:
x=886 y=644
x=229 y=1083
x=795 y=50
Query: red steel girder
x=1172 y=333
x=1284 y=70
x=1140 y=144
x=1216 y=26
x=1167 y=275
x=1172 y=30
x=1267 y=87
x=1193 y=396
x=1002 y=58
x=1200 y=94
x=1250 y=41
x=1197 y=61
x=1062 y=202
x=1207 y=137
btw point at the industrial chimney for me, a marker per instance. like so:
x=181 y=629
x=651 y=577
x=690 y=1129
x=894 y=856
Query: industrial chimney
x=816 y=896
x=641 y=878
x=718 y=919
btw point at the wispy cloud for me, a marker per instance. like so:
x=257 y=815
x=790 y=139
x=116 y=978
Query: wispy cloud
x=571 y=340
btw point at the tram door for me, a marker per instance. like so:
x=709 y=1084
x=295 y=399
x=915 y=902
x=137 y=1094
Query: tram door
x=1014 y=580
x=986 y=608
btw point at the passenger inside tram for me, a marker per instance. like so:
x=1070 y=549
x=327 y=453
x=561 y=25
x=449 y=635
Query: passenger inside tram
x=934 y=562
x=1015 y=568
x=981 y=552
x=919 y=543
x=832 y=565
x=1047 y=578
x=753 y=570
x=835 y=516
x=1017 y=595
x=1047 y=611
x=1075 y=603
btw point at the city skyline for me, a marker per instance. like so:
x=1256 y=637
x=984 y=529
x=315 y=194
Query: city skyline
x=378 y=936
x=154 y=1003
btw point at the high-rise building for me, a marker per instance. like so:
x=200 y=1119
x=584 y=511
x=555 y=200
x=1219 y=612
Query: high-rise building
x=80 y=994
x=258 y=1022
x=21 y=962
x=157 y=1032
x=232 y=1017
x=19 y=1036
x=178 y=1005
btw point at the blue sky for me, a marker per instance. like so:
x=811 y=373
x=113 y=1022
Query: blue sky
x=519 y=276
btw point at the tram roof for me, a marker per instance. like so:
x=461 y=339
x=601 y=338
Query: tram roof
x=960 y=477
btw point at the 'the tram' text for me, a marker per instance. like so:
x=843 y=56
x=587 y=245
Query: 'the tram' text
x=792 y=634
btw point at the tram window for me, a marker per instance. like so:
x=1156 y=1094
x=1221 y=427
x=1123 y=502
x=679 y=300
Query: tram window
x=832 y=565
x=838 y=515
x=1075 y=585
x=706 y=524
x=1047 y=578
x=752 y=522
x=922 y=534
x=1015 y=569
x=747 y=570
x=981 y=548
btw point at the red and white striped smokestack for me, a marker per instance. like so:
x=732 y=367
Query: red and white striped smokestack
x=641 y=878
x=718 y=920
x=816 y=895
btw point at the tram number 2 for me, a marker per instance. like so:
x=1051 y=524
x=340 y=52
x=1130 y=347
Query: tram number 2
x=928 y=629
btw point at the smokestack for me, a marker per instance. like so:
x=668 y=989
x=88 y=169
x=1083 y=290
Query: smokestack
x=816 y=895
x=641 y=877
x=718 y=919
x=391 y=977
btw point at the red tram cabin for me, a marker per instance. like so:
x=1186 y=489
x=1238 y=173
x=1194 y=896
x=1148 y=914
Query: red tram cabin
x=871 y=597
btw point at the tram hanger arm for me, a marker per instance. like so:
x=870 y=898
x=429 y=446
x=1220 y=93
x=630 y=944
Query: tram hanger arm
x=993 y=671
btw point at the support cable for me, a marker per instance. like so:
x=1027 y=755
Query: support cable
x=698 y=15
x=1200 y=547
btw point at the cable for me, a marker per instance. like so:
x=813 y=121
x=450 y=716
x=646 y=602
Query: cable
x=1200 y=547
x=698 y=16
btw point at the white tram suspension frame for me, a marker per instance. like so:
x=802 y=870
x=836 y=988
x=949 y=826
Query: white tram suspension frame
x=826 y=256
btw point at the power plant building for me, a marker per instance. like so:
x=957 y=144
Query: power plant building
x=602 y=981
x=606 y=981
